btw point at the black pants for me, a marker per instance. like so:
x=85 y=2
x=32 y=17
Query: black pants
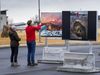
x=14 y=54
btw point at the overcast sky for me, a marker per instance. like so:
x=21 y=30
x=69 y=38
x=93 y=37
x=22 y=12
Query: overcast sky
x=23 y=10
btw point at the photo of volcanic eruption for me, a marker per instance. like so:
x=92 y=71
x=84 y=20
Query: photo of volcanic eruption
x=52 y=22
x=79 y=25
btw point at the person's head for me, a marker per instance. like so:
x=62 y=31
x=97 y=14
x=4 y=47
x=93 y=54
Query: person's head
x=29 y=22
x=13 y=28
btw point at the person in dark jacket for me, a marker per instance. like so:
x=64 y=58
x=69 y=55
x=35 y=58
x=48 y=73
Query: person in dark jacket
x=14 y=44
x=31 y=42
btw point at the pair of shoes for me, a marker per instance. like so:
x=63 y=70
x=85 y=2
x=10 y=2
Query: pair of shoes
x=34 y=64
x=12 y=64
x=29 y=64
x=16 y=64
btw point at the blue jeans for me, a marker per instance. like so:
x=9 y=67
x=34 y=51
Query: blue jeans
x=31 y=52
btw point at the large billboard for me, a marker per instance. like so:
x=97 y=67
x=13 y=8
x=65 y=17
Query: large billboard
x=52 y=24
x=79 y=25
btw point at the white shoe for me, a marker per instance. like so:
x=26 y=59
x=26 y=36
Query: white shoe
x=12 y=64
x=16 y=64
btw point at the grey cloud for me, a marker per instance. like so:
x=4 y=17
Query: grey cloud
x=10 y=4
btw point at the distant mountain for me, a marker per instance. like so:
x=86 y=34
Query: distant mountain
x=19 y=24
